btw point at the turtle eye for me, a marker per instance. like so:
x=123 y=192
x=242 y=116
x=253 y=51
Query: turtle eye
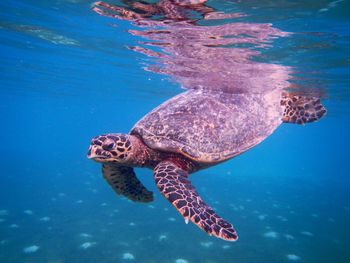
x=108 y=145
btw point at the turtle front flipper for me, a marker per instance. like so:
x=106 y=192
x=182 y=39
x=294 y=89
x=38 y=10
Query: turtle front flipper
x=301 y=109
x=124 y=181
x=174 y=185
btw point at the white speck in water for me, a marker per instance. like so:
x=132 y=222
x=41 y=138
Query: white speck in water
x=131 y=224
x=162 y=237
x=151 y=206
x=289 y=237
x=14 y=226
x=87 y=245
x=225 y=247
x=128 y=256
x=293 y=257
x=3 y=212
x=45 y=219
x=61 y=194
x=271 y=234
x=181 y=260
x=315 y=215
x=31 y=249
x=171 y=219
x=206 y=244
x=85 y=235
x=104 y=204
x=282 y=218
x=28 y=212
x=262 y=217
x=79 y=201
x=307 y=233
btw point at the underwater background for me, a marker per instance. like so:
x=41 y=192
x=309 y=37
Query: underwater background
x=67 y=75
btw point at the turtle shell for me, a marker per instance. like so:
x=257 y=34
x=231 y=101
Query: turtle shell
x=208 y=126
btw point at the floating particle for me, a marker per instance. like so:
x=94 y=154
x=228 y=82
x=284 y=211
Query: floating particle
x=14 y=226
x=307 y=233
x=128 y=256
x=28 y=212
x=31 y=249
x=162 y=237
x=206 y=244
x=87 y=245
x=293 y=257
x=262 y=217
x=271 y=234
x=289 y=237
x=226 y=247
x=45 y=219
x=131 y=224
x=79 y=201
x=85 y=235
x=181 y=260
x=172 y=219
x=3 y=212
x=282 y=218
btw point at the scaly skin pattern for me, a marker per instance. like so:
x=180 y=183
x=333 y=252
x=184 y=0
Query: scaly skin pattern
x=123 y=181
x=172 y=182
x=301 y=109
x=120 y=152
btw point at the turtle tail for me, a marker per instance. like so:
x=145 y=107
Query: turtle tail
x=300 y=109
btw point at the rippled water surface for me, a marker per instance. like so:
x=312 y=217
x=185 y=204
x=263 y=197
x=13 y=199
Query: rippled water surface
x=74 y=69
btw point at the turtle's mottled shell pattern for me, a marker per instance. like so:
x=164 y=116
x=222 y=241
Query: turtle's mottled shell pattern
x=210 y=126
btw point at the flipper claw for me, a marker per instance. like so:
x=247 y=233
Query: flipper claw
x=174 y=185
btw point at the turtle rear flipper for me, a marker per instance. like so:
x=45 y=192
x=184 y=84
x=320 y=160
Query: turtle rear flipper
x=301 y=109
x=174 y=185
x=124 y=181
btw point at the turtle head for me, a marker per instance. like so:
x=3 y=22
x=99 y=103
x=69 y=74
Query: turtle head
x=115 y=148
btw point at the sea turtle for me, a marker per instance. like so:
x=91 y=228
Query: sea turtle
x=192 y=131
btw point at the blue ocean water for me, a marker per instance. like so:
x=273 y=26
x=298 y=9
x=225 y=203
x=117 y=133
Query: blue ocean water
x=69 y=74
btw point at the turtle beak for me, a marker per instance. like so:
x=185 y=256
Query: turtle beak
x=92 y=152
x=97 y=154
